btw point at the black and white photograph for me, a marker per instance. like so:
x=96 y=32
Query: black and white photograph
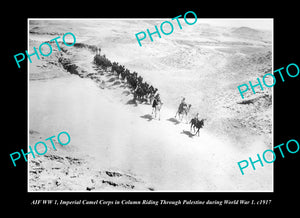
x=149 y=105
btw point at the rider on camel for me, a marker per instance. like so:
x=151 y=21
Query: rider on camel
x=182 y=105
x=155 y=101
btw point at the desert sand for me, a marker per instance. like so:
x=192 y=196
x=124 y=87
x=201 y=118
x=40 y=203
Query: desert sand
x=118 y=146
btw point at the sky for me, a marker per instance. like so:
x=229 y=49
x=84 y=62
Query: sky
x=263 y=24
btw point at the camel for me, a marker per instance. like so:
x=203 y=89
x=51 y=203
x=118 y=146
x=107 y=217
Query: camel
x=183 y=109
x=198 y=124
x=157 y=104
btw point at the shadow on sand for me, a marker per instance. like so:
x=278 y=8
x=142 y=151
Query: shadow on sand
x=188 y=133
x=175 y=121
x=147 y=116
x=126 y=92
x=132 y=101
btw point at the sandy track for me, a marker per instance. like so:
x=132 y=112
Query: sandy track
x=117 y=145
